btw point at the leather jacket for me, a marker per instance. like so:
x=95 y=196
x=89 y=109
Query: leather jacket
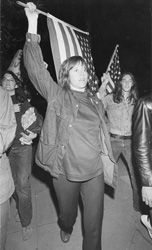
x=142 y=138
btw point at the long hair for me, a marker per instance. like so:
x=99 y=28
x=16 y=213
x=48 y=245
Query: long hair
x=21 y=92
x=67 y=65
x=118 y=93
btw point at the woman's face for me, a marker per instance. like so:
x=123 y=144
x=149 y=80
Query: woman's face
x=127 y=83
x=8 y=82
x=78 y=76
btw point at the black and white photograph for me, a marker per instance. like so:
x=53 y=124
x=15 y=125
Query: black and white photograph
x=76 y=125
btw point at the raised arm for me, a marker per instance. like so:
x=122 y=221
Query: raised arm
x=32 y=17
x=102 y=90
x=33 y=58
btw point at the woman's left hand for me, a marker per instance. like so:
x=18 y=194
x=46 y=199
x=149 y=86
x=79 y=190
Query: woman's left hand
x=31 y=11
x=27 y=139
x=17 y=107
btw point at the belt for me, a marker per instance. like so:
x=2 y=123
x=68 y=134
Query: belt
x=122 y=137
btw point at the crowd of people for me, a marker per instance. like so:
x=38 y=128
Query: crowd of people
x=78 y=131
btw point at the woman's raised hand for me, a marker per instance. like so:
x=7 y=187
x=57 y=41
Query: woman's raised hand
x=30 y=11
x=105 y=79
x=17 y=107
x=32 y=16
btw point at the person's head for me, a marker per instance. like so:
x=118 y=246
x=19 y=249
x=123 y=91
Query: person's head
x=9 y=82
x=14 y=86
x=126 y=85
x=127 y=81
x=73 y=74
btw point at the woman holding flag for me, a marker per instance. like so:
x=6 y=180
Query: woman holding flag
x=119 y=106
x=71 y=145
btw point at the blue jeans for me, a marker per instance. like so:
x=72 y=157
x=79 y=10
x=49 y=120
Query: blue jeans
x=92 y=195
x=21 y=162
x=4 y=219
x=124 y=147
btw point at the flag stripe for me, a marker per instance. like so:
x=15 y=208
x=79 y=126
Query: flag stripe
x=73 y=49
x=54 y=44
x=109 y=89
x=70 y=43
x=77 y=48
x=65 y=41
x=111 y=86
x=73 y=41
x=60 y=41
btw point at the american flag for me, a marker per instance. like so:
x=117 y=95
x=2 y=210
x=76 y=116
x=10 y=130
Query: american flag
x=114 y=70
x=66 y=41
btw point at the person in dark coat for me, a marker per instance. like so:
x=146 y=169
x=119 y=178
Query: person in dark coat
x=142 y=145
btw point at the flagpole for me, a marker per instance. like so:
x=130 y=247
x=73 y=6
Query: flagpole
x=49 y=15
x=112 y=58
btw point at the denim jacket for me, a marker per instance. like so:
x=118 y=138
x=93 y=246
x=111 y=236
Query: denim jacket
x=62 y=109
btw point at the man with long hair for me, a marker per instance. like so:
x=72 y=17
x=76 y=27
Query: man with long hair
x=119 y=106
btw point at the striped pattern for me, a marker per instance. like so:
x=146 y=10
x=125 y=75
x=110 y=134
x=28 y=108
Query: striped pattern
x=67 y=41
x=114 y=71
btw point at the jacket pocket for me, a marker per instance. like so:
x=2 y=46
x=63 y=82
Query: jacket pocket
x=49 y=157
x=46 y=154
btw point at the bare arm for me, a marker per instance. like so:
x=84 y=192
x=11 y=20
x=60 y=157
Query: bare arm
x=32 y=17
x=102 y=89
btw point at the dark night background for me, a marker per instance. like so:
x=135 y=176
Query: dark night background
x=110 y=22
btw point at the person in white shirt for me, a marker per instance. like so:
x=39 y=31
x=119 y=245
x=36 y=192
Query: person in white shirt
x=7 y=134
